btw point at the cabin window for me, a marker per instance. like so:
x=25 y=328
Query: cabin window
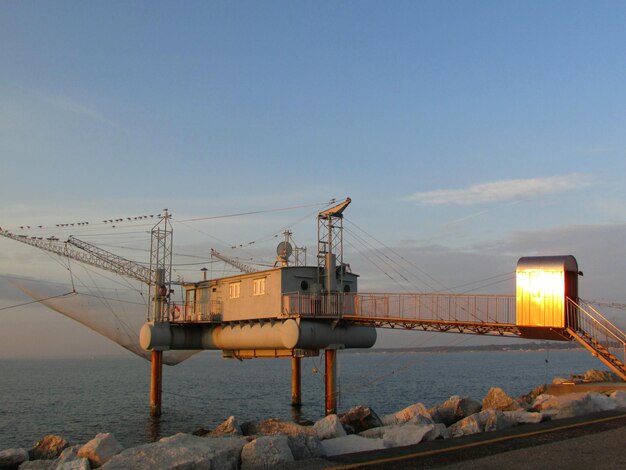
x=259 y=286
x=234 y=290
x=304 y=285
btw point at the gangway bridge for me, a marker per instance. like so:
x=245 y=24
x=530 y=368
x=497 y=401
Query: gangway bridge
x=297 y=310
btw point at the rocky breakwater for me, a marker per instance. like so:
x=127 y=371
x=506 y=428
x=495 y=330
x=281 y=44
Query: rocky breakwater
x=270 y=443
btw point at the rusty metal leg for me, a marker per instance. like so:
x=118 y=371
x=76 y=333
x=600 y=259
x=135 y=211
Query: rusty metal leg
x=331 y=381
x=155 y=383
x=296 y=382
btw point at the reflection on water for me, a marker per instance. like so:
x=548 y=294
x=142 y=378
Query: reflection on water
x=77 y=398
x=154 y=429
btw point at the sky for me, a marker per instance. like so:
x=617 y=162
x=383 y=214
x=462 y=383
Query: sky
x=468 y=135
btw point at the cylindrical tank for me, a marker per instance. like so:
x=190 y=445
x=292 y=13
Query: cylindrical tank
x=283 y=334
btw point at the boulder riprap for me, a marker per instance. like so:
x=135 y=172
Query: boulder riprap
x=595 y=375
x=484 y=421
x=12 y=458
x=359 y=419
x=266 y=452
x=274 y=426
x=69 y=454
x=37 y=465
x=416 y=414
x=573 y=404
x=230 y=427
x=406 y=435
x=497 y=399
x=181 y=451
x=100 y=449
x=455 y=409
x=350 y=444
x=329 y=427
x=49 y=447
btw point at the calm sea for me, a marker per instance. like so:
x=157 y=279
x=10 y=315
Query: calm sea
x=77 y=398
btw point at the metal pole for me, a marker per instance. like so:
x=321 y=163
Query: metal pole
x=296 y=382
x=331 y=381
x=155 y=383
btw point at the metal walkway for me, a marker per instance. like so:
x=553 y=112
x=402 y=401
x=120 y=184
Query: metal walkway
x=482 y=314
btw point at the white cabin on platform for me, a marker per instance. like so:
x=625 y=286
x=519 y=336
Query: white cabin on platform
x=256 y=295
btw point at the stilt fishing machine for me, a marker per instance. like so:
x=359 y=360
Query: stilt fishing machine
x=295 y=311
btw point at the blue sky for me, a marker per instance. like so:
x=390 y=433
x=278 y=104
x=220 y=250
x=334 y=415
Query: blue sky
x=468 y=134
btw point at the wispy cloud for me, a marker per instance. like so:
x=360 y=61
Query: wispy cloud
x=501 y=191
x=70 y=106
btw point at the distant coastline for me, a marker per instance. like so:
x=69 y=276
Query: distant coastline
x=474 y=348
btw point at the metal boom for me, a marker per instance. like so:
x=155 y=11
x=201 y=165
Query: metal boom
x=87 y=253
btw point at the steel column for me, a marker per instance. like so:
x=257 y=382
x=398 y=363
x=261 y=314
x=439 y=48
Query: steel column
x=331 y=381
x=155 y=383
x=296 y=382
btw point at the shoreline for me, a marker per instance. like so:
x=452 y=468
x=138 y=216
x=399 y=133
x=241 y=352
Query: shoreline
x=271 y=442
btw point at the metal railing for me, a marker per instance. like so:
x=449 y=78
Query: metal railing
x=598 y=332
x=463 y=308
x=208 y=311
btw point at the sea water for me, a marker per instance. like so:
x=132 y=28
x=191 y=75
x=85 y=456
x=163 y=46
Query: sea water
x=78 y=398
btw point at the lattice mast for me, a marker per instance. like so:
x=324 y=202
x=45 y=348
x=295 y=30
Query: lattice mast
x=161 y=266
x=330 y=245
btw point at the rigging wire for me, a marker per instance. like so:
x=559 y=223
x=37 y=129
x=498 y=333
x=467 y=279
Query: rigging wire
x=401 y=257
x=265 y=211
x=37 y=301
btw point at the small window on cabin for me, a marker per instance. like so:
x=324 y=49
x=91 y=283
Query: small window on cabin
x=234 y=290
x=304 y=285
x=259 y=286
x=346 y=288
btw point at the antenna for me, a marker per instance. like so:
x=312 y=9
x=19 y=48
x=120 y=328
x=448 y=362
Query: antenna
x=284 y=250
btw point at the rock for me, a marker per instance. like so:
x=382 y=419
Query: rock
x=524 y=417
x=466 y=426
x=181 y=451
x=359 y=419
x=406 y=435
x=350 y=444
x=78 y=464
x=484 y=421
x=44 y=464
x=497 y=399
x=573 y=404
x=455 y=409
x=12 y=458
x=594 y=375
x=50 y=447
x=100 y=449
x=619 y=397
x=495 y=420
x=560 y=380
x=266 y=452
x=439 y=431
x=230 y=427
x=530 y=397
x=304 y=446
x=69 y=454
x=413 y=413
x=274 y=426
x=329 y=427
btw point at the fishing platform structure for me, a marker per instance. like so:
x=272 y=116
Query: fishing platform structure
x=296 y=311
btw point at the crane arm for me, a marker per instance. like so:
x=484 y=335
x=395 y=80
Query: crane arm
x=86 y=253
x=237 y=264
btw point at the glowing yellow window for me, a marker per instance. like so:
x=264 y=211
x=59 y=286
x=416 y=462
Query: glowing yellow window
x=234 y=290
x=259 y=286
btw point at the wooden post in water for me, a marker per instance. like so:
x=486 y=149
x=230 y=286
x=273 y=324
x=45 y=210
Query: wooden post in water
x=331 y=381
x=296 y=382
x=155 y=383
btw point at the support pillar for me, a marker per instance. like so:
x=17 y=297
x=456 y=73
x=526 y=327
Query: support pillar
x=331 y=381
x=296 y=382
x=155 y=383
